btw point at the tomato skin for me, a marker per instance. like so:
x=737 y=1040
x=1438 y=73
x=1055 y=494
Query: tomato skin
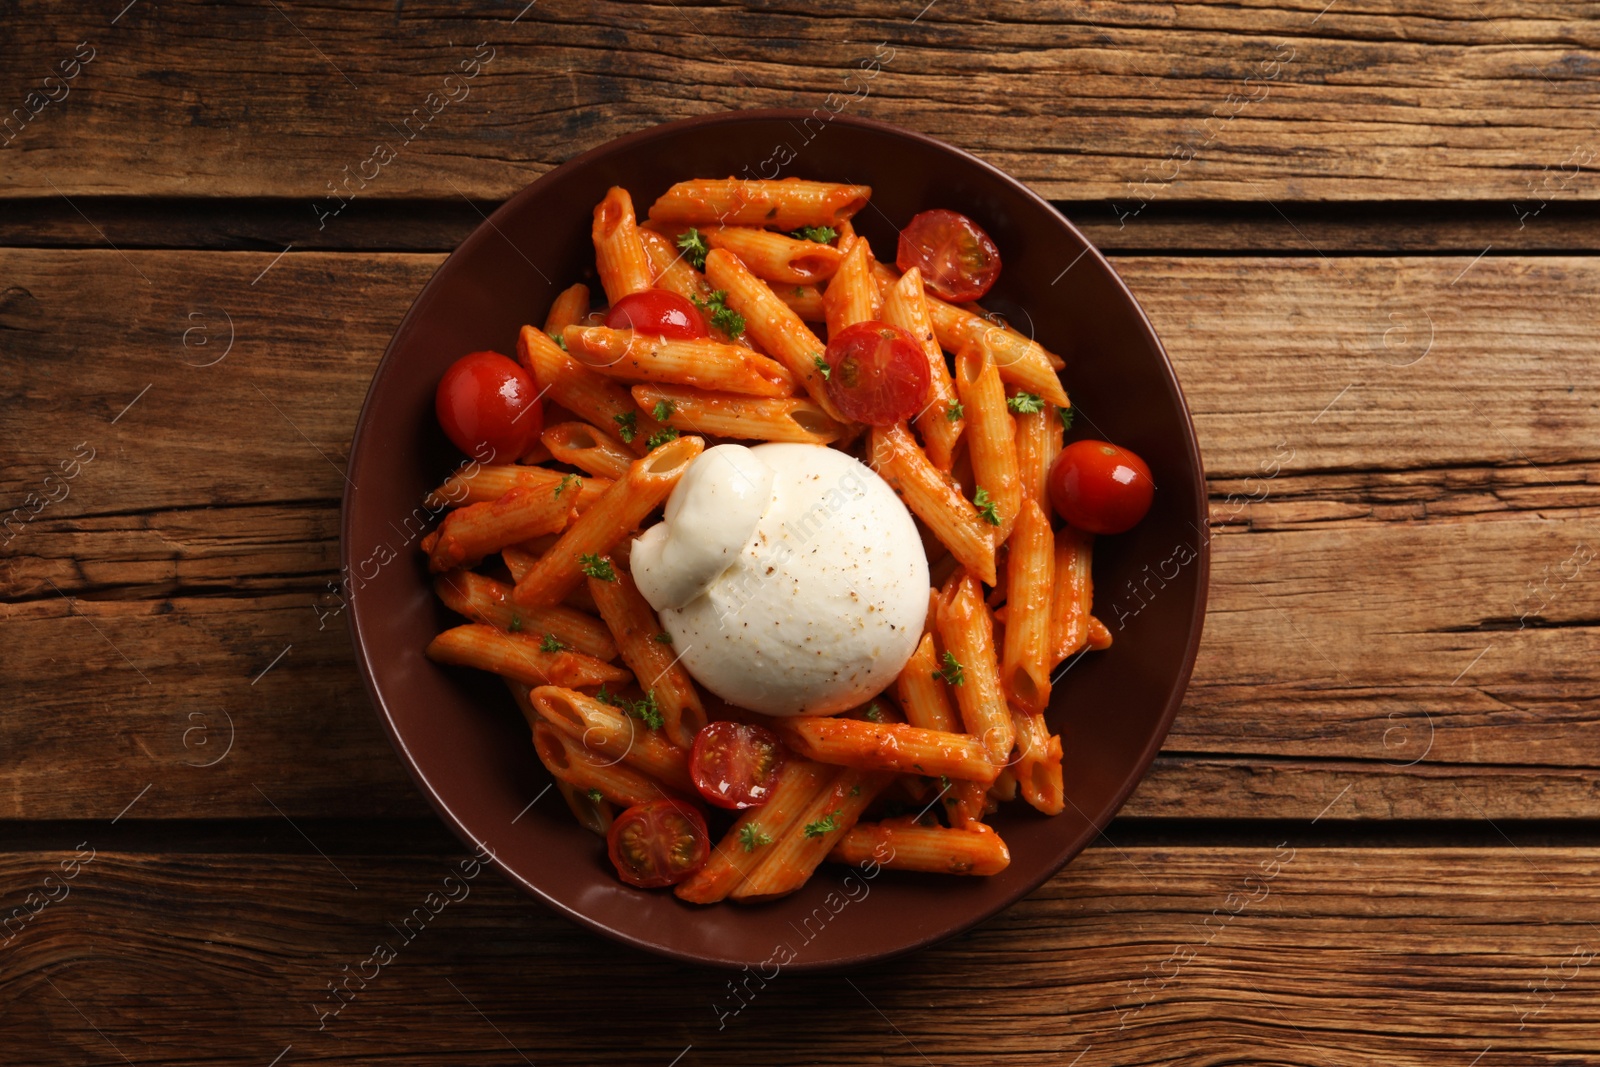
x=877 y=373
x=1100 y=488
x=657 y=312
x=735 y=765
x=957 y=259
x=658 y=843
x=487 y=401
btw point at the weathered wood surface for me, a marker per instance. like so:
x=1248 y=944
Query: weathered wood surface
x=1119 y=99
x=1135 y=955
x=1402 y=620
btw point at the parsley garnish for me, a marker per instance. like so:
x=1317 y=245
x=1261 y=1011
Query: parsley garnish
x=694 y=248
x=951 y=671
x=551 y=643
x=873 y=713
x=595 y=795
x=986 y=506
x=661 y=437
x=823 y=235
x=567 y=481
x=855 y=790
x=955 y=411
x=516 y=624
x=663 y=638
x=663 y=410
x=1066 y=417
x=561 y=342
x=647 y=711
x=1025 y=404
x=723 y=317
x=825 y=825
x=627 y=426
x=822 y=367
x=606 y=698
x=753 y=838
x=597 y=567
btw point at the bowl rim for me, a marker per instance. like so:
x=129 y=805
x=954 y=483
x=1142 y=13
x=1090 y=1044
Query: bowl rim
x=486 y=230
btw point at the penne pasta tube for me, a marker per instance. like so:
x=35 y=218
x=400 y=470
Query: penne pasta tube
x=937 y=849
x=1038 y=762
x=654 y=663
x=814 y=832
x=570 y=306
x=991 y=437
x=707 y=364
x=1099 y=636
x=934 y=498
x=776 y=257
x=967 y=633
x=482 y=599
x=518 y=657
x=787 y=418
x=606 y=731
x=1039 y=435
x=470 y=533
x=588 y=449
x=747 y=842
x=485 y=484
x=1072 y=593
x=593 y=815
x=925 y=699
x=787 y=205
x=568 y=761
x=1027 y=656
x=583 y=392
x=775 y=328
x=676 y=274
x=886 y=746
x=852 y=296
x=619 y=258
x=803 y=300
x=611 y=518
x=942 y=420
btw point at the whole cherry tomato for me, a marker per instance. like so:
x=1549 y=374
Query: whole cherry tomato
x=735 y=765
x=1099 y=487
x=487 y=401
x=877 y=373
x=957 y=259
x=660 y=842
x=657 y=312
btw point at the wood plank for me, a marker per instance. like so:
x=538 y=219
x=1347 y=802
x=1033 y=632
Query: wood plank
x=1137 y=955
x=1124 y=99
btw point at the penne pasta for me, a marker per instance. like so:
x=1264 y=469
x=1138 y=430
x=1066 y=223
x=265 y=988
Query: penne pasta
x=470 y=533
x=611 y=518
x=967 y=633
x=568 y=761
x=942 y=420
x=925 y=699
x=1039 y=435
x=934 y=498
x=1028 y=654
x=654 y=663
x=581 y=391
x=991 y=438
x=676 y=274
x=789 y=418
x=1038 y=762
x=570 y=306
x=804 y=300
x=593 y=815
x=485 y=484
x=885 y=746
x=908 y=847
x=1072 y=592
x=812 y=835
x=518 y=657
x=619 y=258
x=776 y=257
x=1099 y=636
x=482 y=599
x=588 y=449
x=604 y=730
x=747 y=842
x=703 y=363
x=787 y=205
x=852 y=296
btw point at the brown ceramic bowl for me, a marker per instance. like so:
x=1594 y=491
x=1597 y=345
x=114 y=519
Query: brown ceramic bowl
x=460 y=735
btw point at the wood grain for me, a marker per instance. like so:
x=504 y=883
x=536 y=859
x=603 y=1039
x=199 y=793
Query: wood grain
x=1132 y=955
x=1123 y=99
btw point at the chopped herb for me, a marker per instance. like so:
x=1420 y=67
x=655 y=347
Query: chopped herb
x=516 y=624
x=723 y=317
x=606 y=698
x=823 y=235
x=694 y=248
x=595 y=795
x=873 y=713
x=855 y=790
x=986 y=506
x=753 y=838
x=955 y=411
x=1025 y=404
x=825 y=825
x=822 y=366
x=597 y=567
x=663 y=410
x=1066 y=417
x=663 y=638
x=944 y=783
x=628 y=426
x=661 y=437
x=800 y=290
x=551 y=644
x=950 y=672
x=647 y=711
x=561 y=342
x=567 y=481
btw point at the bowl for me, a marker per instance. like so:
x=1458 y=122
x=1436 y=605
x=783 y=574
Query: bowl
x=460 y=735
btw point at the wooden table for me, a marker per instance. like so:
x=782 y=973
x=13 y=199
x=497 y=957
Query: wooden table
x=1367 y=235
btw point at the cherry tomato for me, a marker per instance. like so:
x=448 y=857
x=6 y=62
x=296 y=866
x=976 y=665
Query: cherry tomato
x=486 y=400
x=1099 y=487
x=657 y=312
x=735 y=765
x=658 y=843
x=877 y=373
x=957 y=259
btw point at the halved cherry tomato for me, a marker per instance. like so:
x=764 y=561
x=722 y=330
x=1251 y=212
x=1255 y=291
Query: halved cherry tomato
x=657 y=312
x=1099 y=487
x=957 y=259
x=877 y=373
x=487 y=401
x=658 y=843
x=735 y=765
